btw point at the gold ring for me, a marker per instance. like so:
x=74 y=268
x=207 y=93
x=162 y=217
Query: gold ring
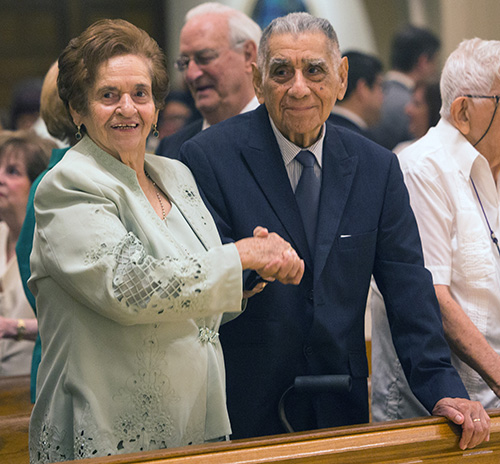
x=476 y=420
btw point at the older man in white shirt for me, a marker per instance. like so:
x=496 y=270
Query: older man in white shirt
x=452 y=176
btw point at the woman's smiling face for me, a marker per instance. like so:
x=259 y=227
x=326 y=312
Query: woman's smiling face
x=121 y=107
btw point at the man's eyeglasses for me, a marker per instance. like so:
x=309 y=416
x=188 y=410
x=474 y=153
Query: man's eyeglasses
x=204 y=57
x=497 y=99
x=201 y=58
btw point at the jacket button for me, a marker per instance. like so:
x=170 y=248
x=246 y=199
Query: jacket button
x=310 y=295
x=308 y=350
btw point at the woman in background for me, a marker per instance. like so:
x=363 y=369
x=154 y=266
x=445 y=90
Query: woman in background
x=422 y=110
x=57 y=122
x=23 y=156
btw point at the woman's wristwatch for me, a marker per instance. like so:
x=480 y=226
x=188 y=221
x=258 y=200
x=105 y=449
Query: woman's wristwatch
x=21 y=330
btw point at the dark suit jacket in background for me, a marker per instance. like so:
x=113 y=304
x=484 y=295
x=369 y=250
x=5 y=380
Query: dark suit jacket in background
x=393 y=125
x=365 y=226
x=342 y=121
x=171 y=145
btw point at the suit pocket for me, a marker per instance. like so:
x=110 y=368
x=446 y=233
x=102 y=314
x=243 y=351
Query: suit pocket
x=356 y=241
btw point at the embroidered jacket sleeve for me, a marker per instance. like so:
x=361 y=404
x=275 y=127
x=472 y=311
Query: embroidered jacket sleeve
x=88 y=242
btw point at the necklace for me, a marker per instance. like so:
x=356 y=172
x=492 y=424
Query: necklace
x=163 y=213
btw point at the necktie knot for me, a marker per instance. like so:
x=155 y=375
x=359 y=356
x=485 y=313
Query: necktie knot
x=306 y=158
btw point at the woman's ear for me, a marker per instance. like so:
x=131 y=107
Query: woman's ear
x=77 y=119
x=460 y=115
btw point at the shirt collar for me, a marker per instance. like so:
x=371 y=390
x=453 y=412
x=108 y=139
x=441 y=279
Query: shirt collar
x=289 y=150
x=251 y=105
x=350 y=115
x=459 y=148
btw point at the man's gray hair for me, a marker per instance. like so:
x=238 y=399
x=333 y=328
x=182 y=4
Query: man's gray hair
x=470 y=70
x=241 y=27
x=296 y=24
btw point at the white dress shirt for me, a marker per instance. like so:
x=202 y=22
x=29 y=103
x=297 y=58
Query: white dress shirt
x=289 y=151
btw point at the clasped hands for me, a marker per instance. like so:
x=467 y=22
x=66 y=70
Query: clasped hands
x=271 y=257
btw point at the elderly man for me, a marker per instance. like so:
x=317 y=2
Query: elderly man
x=339 y=199
x=362 y=103
x=452 y=176
x=218 y=45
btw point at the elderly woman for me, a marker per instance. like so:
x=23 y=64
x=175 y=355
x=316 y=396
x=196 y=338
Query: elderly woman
x=128 y=271
x=23 y=156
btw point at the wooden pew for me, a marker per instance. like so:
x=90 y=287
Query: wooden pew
x=424 y=440
x=15 y=410
x=14 y=439
x=15 y=395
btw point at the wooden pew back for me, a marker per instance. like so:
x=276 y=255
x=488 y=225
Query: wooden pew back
x=424 y=440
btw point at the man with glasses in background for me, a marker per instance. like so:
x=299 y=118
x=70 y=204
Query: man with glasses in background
x=452 y=177
x=217 y=47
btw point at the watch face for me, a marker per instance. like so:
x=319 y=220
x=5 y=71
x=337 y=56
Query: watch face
x=21 y=329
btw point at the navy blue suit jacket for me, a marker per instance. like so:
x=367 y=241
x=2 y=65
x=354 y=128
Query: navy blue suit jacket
x=171 y=145
x=365 y=226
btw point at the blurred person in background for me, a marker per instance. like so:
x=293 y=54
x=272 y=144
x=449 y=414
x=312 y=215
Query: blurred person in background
x=25 y=104
x=178 y=112
x=422 y=110
x=23 y=156
x=362 y=103
x=59 y=126
x=414 y=53
x=218 y=45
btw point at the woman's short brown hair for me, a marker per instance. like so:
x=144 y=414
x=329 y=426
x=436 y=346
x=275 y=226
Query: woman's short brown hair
x=26 y=145
x=80 y=60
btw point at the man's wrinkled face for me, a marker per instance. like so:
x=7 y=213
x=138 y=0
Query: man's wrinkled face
x=303 y=81
x=215 y=73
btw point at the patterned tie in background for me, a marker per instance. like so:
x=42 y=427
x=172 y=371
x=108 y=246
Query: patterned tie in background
x=307 y=196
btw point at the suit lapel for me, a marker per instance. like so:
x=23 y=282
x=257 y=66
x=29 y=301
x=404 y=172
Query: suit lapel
x=264 y=161
x=337 y=177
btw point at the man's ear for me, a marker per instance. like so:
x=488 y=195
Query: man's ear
x=257 y=83
x=343 y=72
x=250 y=54
x=460 y=115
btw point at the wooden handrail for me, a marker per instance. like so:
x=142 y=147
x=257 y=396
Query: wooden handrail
x=427 y=440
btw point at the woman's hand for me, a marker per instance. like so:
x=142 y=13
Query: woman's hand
x=272 y=257
x=8 y=328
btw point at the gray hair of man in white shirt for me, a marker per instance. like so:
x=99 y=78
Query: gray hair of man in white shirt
x=472 y=68
x=296 y=24
x=241 y=26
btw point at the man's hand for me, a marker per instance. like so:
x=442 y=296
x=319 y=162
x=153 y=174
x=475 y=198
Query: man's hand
x=271 y=257
x=470 y=415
